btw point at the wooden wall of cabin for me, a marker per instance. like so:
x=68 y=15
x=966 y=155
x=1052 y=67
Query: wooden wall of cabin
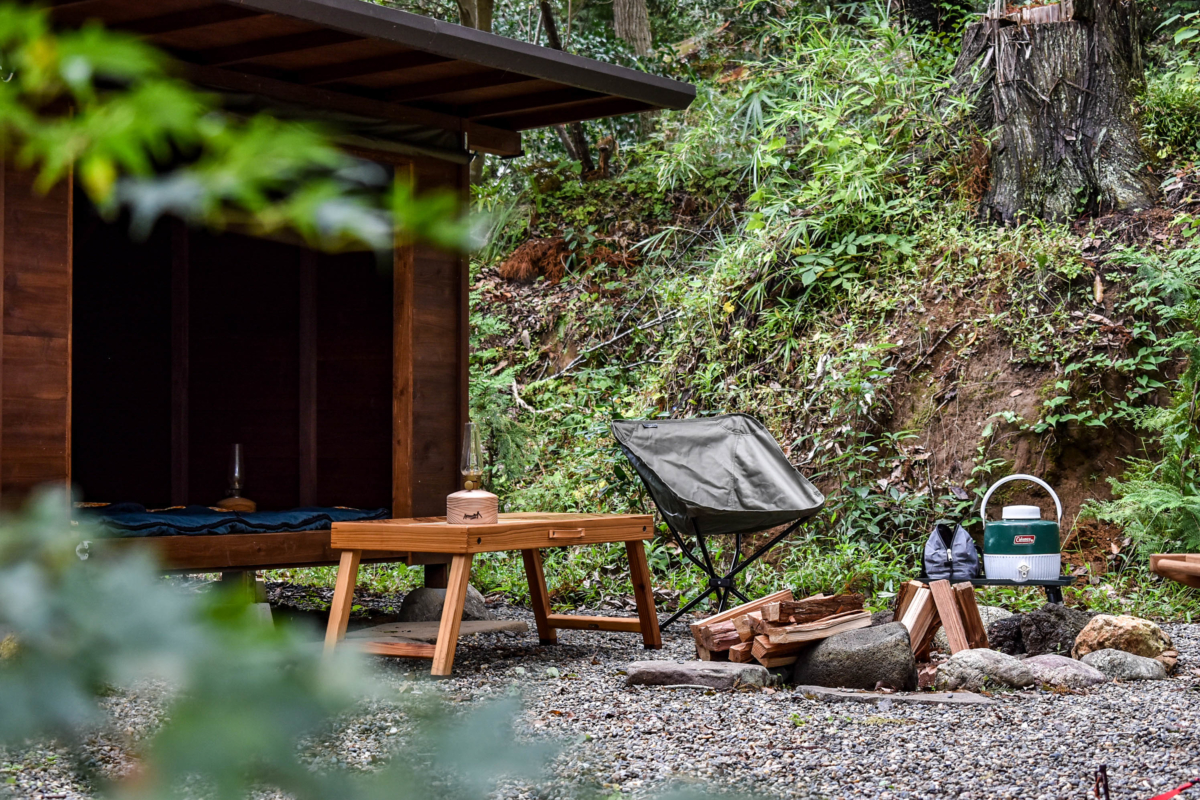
x=344 y=379
x=35 y=373
x=431 y=352
x=190 y=342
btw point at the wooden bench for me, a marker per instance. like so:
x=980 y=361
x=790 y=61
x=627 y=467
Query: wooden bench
x=250 y=552
x=1181 y=567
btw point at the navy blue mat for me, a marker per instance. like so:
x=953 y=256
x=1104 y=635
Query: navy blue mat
x=132 y=519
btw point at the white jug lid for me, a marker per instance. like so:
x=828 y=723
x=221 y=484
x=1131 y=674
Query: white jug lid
x=1021 y=512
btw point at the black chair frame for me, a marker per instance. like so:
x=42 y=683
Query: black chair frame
x=722 y=585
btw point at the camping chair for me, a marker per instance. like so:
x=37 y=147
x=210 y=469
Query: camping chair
x=717 y=476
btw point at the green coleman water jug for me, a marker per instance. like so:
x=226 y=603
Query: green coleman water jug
x=1021 y=546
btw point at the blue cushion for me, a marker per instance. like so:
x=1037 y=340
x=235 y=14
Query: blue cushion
x=132 y=519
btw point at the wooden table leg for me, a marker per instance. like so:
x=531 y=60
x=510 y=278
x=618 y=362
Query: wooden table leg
x=452 y=611
x=643 y=594
x=539 y=596
x=343 y=598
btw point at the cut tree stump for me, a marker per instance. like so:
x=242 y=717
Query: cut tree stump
x=1057 y=87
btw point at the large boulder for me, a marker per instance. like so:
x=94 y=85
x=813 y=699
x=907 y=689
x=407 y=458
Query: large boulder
x=714 y=674
x=425 y=605
x=1121 y=666
x=988 y=614
x=1131 y=634
x=981 y=669
x=866 y=658
x=1055 y=670
x=1052 y=629
x=1005 y=635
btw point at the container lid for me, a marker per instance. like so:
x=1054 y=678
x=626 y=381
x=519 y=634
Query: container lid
x=1021 y=512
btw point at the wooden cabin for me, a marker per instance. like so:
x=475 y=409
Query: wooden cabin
x=129 y=368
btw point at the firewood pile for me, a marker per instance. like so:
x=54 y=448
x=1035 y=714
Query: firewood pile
x=774 y=629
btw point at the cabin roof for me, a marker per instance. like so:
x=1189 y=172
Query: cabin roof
x=351 y=57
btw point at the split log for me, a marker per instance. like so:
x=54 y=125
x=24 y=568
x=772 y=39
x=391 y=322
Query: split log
x=811 y=609
x=719 y=637
x=821 y=629
x=744 y=625
x=947 y=608
x=919 y=614
x=1059 y=95
x=742 y=652
x=746 y=608
x=964 y=596
x=775 y=655
x=759 y=625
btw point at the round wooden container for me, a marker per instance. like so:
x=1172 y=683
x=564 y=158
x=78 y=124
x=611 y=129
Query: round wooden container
x=475 y=506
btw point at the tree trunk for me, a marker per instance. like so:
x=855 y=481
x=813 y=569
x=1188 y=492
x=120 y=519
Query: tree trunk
x=1059 y=94
x=631 y=23
x=476 y=14
x=571 y=136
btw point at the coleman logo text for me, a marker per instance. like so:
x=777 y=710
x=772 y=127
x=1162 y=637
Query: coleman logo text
x=1024 y=539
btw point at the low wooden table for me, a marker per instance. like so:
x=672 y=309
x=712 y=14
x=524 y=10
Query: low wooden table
x=528 y=533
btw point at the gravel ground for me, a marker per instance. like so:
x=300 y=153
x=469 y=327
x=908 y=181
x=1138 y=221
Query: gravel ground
x=642 y=740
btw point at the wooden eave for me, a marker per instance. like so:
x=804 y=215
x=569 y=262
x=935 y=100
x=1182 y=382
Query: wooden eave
x=354 y=57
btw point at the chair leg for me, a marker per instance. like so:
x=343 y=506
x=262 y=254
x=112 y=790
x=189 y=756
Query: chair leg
x=740 y=596
x=452 y=611
x=687 y=552
x=539 y=597
x=692 y=604
x=643 y=593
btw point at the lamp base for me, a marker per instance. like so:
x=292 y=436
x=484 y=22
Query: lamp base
x=472 y=507
x=237 y=504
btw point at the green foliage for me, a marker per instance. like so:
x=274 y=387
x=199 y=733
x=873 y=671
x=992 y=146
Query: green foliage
x=137 y=137
x=823 y=132
x=1158 y=499
x=1171 y=114
x=817 y=196
x=247 y=700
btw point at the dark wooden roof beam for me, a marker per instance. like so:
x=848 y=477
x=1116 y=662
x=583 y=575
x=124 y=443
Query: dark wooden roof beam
x=392 y=62
x=186 y=20
x=456 y=42
x=272 y=46
x=577 y=112
x=459 y=83
x=526 y=102
x=486 y=138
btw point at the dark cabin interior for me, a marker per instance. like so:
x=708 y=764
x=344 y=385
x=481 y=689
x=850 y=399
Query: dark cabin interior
x=188 y=342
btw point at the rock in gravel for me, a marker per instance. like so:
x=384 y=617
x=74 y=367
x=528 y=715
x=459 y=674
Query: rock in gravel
x=980 y=669
x=1052 y=629
x=1131 y=634
x=882 y=618
x=714 y=674
x=425 y=605
x=866 y=658
x=1005 y=635
x=1056 y=670
x=1121 y=666
x=988 y=614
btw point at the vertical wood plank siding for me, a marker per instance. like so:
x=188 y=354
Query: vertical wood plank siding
x=35 y=433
